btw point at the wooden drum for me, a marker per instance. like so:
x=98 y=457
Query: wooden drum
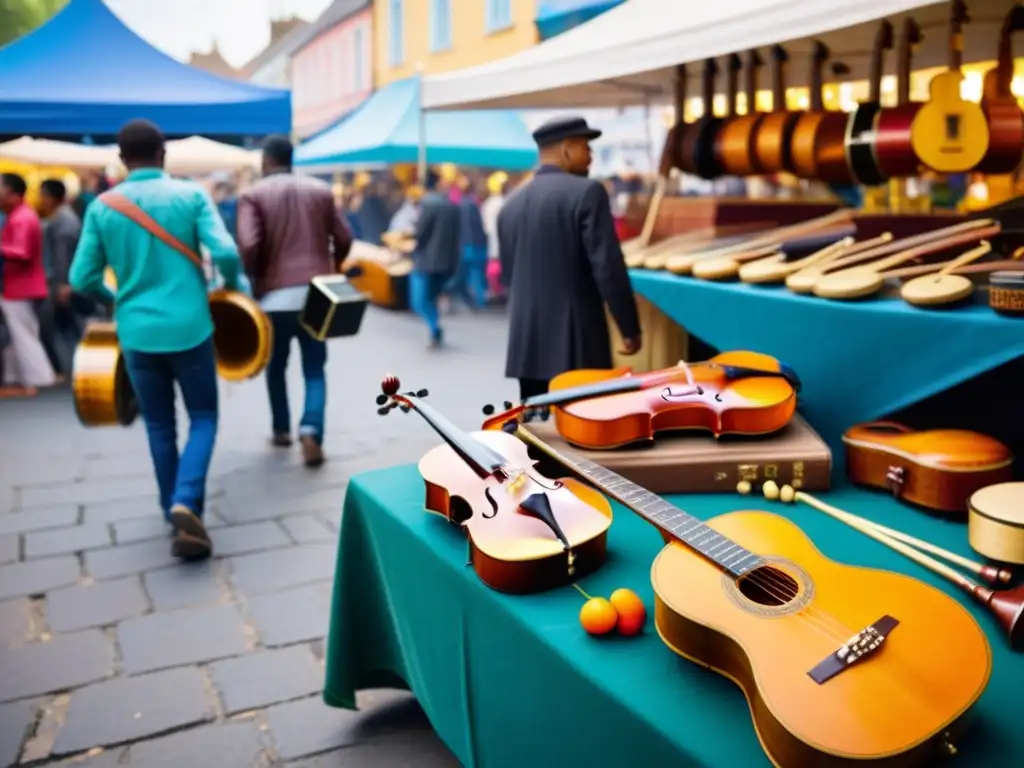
x=102 y=391
x=995 y=526
x=242 y=335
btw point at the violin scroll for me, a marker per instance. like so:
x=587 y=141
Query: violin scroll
x=390 y=398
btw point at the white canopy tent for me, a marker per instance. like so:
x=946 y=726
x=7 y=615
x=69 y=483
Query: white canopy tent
x=58 y=153
x=629 y=55
x=196 y=156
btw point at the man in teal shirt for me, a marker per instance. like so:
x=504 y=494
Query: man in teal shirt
x=163 y=317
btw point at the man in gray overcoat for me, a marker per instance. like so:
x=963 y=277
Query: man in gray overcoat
x=561 y=260
x=437 y=254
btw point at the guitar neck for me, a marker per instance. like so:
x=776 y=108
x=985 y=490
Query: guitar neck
x=682 y=526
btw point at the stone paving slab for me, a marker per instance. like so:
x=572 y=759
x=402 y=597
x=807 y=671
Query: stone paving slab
x=236 y=643
x=266 y=677
x=65 y=662
x=175 y=638
x=130 y=708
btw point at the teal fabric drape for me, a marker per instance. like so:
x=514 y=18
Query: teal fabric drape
x=513 y=681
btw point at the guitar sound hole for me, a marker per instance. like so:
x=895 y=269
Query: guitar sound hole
x=769 y=586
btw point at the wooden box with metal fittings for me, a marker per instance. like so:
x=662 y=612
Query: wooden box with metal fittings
x=333 y=308
x=937 y=469
x=1006 y=293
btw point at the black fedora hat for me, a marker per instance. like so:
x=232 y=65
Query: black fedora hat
x=562 y=128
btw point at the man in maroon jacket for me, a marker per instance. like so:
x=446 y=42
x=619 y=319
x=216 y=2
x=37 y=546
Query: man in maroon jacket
x=25 y=364
x=289 y=231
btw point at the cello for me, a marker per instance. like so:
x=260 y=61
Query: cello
x=526 y=533
x=745 y=393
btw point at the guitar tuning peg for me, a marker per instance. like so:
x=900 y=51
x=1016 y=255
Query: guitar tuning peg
x=488 y=410
x=545 y=414
x=508 y=405
x=405 y=408
x=382 y=399
x=383 y=411
x=422 y=393
x=509 y=427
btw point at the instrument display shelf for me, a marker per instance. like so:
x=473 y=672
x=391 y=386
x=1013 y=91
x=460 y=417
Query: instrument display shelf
x=493 y=670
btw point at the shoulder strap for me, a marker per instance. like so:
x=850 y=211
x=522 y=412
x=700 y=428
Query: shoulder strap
x=131 y=211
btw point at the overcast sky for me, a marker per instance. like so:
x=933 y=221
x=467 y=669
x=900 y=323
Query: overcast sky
x=240 y=27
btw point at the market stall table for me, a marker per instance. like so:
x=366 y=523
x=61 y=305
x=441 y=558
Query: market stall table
x=858 y=361
x=513 y=680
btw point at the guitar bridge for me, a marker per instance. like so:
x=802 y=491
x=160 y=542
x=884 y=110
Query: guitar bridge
x=859 y=647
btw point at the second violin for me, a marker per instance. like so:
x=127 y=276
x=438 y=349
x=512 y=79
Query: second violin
x=744 y=393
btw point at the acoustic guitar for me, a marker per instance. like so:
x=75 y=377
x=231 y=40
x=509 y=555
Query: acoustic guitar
x=736 y=139
x=805 y=132
x=833 y=151
x=697 y=151
x=839 y=664
x=1003 y=113
x=774 y=135
x=948 y=134
x=860 y=134
x=894 y=152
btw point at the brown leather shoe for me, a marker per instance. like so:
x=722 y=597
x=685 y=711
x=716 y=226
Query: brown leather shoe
x=191 y=541
x=312 y=453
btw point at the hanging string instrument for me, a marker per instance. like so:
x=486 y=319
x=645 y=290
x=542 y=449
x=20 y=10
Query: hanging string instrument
x=838 y=664
x=736 y=138
x=893 y=149
x=866 y=280
x=743 y=393
x=835 y=153
x=774 y=135
x=944 y=288
x=1003 y=113
x=804 y=280
x=805 y=132
x=860 y=134
x=697 y=148
x=527 y=533
x=949 y=134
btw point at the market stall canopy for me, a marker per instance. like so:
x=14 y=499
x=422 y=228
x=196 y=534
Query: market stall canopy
x=57 y=153
x=557 y=16
x=84 y=73
x=386 y=130
x=629 y=54
x=196 y=155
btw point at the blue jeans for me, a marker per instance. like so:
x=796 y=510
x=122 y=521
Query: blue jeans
x=424 y=288
x=181 y=478
x=314 y=358
x=469 y=282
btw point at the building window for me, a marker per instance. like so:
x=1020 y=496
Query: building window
x=396 y=41
x=498 y=15
x=357 y=65
x=440 y=25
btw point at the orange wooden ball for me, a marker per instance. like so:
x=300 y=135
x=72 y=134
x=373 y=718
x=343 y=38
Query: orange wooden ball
x=598 y=616
x=631 y=611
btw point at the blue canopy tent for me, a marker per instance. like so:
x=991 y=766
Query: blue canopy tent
x=385 y=130
x=557 y=16
x=84 y=74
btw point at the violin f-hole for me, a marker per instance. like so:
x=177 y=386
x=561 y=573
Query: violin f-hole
x=669 y=396
x=492 y=502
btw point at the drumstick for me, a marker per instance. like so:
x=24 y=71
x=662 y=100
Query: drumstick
x=901 y=542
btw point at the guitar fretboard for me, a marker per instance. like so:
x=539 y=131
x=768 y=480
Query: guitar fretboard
x=727 y=554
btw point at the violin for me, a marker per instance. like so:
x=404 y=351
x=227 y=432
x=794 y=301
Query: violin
x=527 y=533
x=745 y=393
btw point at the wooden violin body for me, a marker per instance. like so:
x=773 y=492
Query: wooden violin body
x=102 y=392
x=511 y=549
x=903 y=705
x=937 y=469
x=748 y=405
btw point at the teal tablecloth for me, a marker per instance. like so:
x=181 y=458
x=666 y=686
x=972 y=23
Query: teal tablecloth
x=513 y=681
x=858 y=360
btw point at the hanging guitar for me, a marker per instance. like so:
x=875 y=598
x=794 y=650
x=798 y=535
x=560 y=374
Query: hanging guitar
x=840 y=665
x=526 y=533
x=949 y=134
x=736 y=139
x=894 y=152
x=1003 y=113
x=774 y=135
x=697 y=148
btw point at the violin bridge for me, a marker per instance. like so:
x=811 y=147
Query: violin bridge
x=516 y=482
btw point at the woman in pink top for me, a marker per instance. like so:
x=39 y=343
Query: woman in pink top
x=25 y=364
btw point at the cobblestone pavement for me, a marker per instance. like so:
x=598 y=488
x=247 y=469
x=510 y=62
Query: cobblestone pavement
x=112 y=654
